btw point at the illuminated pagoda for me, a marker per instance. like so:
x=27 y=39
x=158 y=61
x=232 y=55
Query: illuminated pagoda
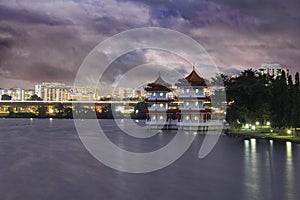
x=158 y=101
x=194 y=102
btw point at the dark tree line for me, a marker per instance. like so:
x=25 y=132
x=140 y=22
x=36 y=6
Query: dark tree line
x=254 y=98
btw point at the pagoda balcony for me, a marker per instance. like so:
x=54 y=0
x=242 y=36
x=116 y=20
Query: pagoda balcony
x=157 y=108
x=158 y=99
x=190 y=123
x=193 y=108
x=192 y=96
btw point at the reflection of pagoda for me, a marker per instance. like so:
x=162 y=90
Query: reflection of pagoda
x=158 y=102
x=194 y=102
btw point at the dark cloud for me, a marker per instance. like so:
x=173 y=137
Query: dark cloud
x=48 y=40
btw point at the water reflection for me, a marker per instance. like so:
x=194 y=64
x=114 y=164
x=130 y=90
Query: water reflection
x=251 y=170
x=290 y=190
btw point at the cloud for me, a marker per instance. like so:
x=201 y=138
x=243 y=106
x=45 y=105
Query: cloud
x=48 y=40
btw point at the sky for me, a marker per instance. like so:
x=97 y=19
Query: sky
x=48 y=40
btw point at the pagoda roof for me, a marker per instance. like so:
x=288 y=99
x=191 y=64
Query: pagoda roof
x=159 y=85
x=193 y=79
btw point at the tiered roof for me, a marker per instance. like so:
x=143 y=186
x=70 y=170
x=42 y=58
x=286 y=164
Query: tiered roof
x=193 y=79
x=158 y=85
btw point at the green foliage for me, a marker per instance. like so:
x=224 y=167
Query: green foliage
x=140 y=111
x=260 y=98
x=35 y=98
x=5 y=97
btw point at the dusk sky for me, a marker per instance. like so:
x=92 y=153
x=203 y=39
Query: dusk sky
x=48 y=40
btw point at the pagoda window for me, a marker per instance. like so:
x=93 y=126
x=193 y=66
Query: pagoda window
x=196 y=103
x=197 y=90
x=154 y=118
x=161 y=117
x=187 y=90
x=161 y=105
x=196 y=118
x=154 y=94
x=161 y=94
x=187 y=103
x=187 y=117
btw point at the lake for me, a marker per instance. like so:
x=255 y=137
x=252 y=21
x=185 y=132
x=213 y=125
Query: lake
x=45 y=159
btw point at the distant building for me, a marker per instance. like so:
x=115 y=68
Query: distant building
x=53 y=91
x=17 y=94
x=88 y=93
x=272 y=70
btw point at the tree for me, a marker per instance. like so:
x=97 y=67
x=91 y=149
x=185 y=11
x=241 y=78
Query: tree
x=60 y=108
x=5 y=97
x=35 y=98
x=249 y=98
x=280 y=101
x=140 y=111
x=42 y=111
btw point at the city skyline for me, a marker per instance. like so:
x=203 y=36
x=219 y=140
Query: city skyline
x=49 y=40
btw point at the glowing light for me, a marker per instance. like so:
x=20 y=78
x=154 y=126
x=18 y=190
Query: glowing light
x=271 y=131
x=253 y=127
x=50 y=119
x=31 y=119
x=195 y=133
x=268 y=123
x=257 y=123
x=289 y=132
x=247 y=126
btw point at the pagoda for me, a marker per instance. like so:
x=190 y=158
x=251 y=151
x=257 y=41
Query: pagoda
x=158 y=99
x=194 y=102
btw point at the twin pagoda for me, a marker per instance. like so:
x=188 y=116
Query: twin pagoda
x=189 y=110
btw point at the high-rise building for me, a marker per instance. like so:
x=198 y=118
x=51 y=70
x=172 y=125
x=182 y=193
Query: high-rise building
x=53 y=91
x=272 y=70
x=17 y=94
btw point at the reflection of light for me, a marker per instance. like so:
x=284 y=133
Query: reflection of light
x=50 y=119
x=137 y=120
x=288 y=148
x=268 y=123
x=290 y=187
x=246 y=144
x=31 y=119
x=195 y=133
x=253 y=143
x=257 y=123
x=271 y=142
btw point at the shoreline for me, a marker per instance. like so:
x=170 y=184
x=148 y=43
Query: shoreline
x=266 y=136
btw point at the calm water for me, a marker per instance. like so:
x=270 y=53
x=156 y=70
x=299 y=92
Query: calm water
x=43 y=159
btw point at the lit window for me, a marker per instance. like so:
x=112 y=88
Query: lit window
x=197 y=90
x=187 y=90
x=161 y=105
x=161 y=94
x=161 y=117
x=187 y=103
x=154 y=118
x=187 y=118
x=154 y=94
x=196 y=118
x=196 y=103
